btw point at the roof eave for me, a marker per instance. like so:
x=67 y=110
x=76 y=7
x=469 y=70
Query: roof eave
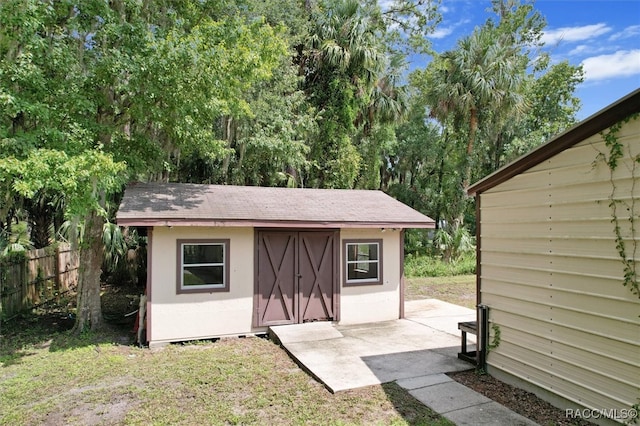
x=596 y=123
x=169 y=222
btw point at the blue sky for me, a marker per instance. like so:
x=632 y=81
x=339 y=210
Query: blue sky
x=602 y=35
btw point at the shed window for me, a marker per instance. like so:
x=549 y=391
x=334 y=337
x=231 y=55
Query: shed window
x=363 y=262
x=203 y=266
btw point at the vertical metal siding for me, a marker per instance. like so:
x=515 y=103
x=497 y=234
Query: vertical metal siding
x=552 y=277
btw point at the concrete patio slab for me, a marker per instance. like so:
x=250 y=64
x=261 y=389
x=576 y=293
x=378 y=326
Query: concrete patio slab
x=362 y=356
x=448 y=396
x=439 y=315
x=490 y=413
x=351 y=356
x=461 y=405
x=423 y=381
x=308 y=332
x=415 y=352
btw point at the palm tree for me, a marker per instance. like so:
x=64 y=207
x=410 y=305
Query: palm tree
x=342 y=66
x=483 y=74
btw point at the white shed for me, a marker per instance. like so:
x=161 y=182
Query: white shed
x=234 y=260
x=558 y=230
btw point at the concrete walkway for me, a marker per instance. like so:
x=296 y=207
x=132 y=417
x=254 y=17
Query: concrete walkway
x=415 y=352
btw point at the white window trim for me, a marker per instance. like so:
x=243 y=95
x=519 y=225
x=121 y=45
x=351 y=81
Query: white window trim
x=347 y=262
x=204 y=288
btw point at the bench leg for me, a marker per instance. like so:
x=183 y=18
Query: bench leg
x=464 y=342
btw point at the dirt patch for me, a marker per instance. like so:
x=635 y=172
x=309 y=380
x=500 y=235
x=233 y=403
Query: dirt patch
x=86 y=413
x=120 y=304
x=525 y=403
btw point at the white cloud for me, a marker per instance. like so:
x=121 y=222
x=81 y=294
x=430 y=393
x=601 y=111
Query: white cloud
x=579 y=49
x=441 y=32
x=623 y=63
x=574 y=33
x=385 y=4
x=585 y=50
x=629 y=32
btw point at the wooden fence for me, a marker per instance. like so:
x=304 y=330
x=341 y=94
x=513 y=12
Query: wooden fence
x=40 y=277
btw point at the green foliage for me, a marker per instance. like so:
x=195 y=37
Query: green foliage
x=95 y=94
x=16 y=241
x=9 y=257
x=495 y=339
x=622 y=205
x=452 y=242
x=494 y=97
x=351 y=77
x=115 y=246
x=431 y=266
x=416 y=242
x=124 y=255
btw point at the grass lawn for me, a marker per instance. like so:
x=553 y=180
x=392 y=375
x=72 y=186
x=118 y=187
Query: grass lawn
x=48 y=376
x=459 y=289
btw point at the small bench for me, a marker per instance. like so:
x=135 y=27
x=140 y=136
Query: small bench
x=464 y=354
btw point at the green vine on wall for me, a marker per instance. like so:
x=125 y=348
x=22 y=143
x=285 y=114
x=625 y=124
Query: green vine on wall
x=628 y=249
x=495 y=341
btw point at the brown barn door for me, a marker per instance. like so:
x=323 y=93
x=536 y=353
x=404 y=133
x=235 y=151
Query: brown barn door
x=277 y=285
x=296 y=277
x=317 y=270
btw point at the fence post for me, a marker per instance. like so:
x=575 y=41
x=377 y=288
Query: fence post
x=56 y=267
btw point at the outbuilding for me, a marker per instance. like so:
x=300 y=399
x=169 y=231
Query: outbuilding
x=558 y=233
x=234 y=260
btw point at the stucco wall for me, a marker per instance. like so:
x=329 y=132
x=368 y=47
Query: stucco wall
x=177 y=317
x=369 y=303
x=552 y=277
x=201 y=315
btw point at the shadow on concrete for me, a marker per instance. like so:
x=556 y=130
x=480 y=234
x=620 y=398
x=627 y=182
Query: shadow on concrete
x=411 y=409
x=405 y=365
x=351 y=356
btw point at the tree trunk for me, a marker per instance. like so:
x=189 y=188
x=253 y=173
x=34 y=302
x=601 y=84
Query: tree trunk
x=498 y=153
x=229 y=136
x=440 y=189
x=89 y=313
x=473 y=128
x=40 y=219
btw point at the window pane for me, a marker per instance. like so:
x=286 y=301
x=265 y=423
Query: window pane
x=363 y=262
x=203 y=275
x=357 y=252
x=372 y=250
x=362 y=252
x=203 y=253
x=352 y=252
x=362 y=271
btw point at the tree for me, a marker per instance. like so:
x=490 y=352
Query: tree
x=494 y=96
x=350 y=63
x=268 y=146
x=484 y=77
x=96 y=93
x=341 y=62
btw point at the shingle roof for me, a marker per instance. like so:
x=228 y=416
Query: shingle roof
x=181 y=204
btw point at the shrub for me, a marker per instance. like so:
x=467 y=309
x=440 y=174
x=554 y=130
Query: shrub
x=428 y=266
